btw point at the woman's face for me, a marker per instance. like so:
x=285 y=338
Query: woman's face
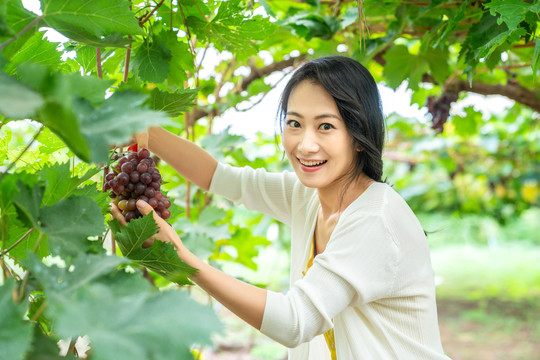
x=315 y=139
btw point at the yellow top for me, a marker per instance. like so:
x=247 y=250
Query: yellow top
x=329 y=335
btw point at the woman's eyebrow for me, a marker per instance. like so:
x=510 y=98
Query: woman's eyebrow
x=318 y=117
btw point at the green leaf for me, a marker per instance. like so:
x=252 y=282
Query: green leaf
x=38 y=50
x=83 y=270
x=311 y=25
x=28 y=200
x=469 y=124
x=438 y=64
x=231 y=30
x=16 y=100
x=61 y=120
x=181 y=59
x=151 y=60
x=349 y=17
x=86 y=57
x=201 y=235
x=5 y=30
x=246 y=245
x=15 y=332
x=96 y=22
x=399 y=63
x=122 y=316
x=512 y=12
x=161 y=257
x=115 y=121
x=49 y=142
x=18 y=18
x=535 y=63
x=60 y=183
x=120 y=312
x=69 y=223
x=45 y=348
x=220 y=144
x=174 y=104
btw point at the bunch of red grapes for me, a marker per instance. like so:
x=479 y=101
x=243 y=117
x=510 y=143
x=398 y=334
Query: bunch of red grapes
x=440 y=109
x=135 y=177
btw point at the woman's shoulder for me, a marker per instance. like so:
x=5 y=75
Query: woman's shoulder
x=382 y=203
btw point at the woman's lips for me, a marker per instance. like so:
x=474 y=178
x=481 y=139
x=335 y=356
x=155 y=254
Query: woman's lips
x=311 y=165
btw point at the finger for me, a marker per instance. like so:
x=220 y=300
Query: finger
x=117 y=214
x=145 y=209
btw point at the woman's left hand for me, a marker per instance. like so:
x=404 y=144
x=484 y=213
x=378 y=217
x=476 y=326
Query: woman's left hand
x=165 y=231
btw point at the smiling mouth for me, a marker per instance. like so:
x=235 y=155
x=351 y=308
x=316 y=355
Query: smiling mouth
x=312 y=163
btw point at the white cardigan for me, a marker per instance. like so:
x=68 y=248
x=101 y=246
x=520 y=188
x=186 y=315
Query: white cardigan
x=374 y=279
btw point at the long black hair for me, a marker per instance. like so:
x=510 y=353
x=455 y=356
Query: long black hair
x=356 y=95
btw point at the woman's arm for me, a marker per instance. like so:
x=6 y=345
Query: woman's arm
x=187 y=158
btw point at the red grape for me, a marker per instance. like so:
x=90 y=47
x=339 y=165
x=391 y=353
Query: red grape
x=135 y=177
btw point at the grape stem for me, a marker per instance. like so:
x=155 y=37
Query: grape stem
x=21 y=33
x=18 y=241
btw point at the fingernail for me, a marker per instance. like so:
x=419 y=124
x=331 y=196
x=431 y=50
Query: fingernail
x=140 y=203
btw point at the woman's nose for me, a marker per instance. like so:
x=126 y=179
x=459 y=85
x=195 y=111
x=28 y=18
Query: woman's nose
x=308 y=143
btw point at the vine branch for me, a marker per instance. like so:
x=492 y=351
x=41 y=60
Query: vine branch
x=141 y=22
x=98 y=63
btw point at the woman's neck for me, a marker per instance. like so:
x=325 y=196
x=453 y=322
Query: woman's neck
x=334 y=200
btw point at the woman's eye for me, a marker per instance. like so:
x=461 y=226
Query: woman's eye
x=293 y=123
x=326 y=126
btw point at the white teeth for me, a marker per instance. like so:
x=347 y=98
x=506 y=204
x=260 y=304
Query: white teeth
x=311 y=163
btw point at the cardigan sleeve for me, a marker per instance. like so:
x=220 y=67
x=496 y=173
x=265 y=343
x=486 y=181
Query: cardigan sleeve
x=358 y=265
x=269 y=193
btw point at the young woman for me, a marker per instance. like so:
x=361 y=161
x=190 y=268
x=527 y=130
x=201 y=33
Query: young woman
x=361 y=282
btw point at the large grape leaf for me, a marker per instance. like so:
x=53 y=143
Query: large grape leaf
x=161 y=257
x=38 y=50
x=399 y=63
x=535 y=63
x=201 y=235
x=83 y=269
x=151 y=60
x=96 y=22
x=69 y=223
x=120 y=312
x=175 y=103
x=15 y=222
x=230 y=29
x=28 y=200
x=512 y=12
x=114 y=122
x=45 y=348
x=181 y=59
x=59 y=182
x=5 y=30
x=17 y=18
x=246 y=245
x=15 y=332
x=438 y=63
x=309 y=25
x=17 y=101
